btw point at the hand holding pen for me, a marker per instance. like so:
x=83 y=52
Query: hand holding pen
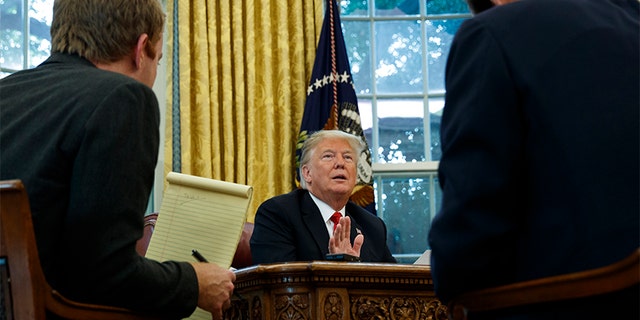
x=198 y=256
x=215 y=286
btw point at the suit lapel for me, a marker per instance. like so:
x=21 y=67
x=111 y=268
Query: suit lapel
x=316 y=226
x=356 y=229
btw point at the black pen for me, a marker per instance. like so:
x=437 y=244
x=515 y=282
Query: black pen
x=201 y=258
x=198 y=256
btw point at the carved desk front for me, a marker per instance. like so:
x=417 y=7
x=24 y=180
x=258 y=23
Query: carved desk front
x=321 y=290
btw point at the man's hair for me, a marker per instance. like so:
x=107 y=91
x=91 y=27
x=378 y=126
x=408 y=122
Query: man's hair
x=477 y=6
x=105 y=30
x=309 y=146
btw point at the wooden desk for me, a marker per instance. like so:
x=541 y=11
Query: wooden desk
x=323 y=290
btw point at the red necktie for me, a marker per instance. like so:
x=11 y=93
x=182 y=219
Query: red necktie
x=335 y=218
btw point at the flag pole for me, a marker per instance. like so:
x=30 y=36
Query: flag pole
x=334 y=67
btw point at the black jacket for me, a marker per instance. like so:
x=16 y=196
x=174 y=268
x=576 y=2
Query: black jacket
x=540 y=140
x=85 y=143
x=289 y=227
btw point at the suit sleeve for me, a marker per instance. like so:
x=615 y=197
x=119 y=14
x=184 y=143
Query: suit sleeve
x=111 y=182
x=272 y=240
x=472 y=237
x=387 y=256
x=374 y=248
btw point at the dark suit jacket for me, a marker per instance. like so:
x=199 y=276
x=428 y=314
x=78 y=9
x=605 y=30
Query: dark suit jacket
x=289 y=227
x=540 y=144
x=85 y=143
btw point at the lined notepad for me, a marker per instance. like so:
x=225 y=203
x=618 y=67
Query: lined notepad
x=198 y=213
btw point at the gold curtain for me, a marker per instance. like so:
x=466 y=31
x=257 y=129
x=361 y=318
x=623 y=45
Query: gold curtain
x=242 y=79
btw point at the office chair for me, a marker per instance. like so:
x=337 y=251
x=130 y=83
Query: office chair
x=612 y=278
x=26 y=293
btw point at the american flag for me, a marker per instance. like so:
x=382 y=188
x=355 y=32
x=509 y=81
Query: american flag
x=331 y=100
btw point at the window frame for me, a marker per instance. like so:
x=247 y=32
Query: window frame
x=411 y=169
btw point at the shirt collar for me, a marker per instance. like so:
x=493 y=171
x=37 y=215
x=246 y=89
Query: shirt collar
x=325 y=210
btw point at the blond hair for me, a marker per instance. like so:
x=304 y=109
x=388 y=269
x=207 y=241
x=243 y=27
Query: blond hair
x=105 y=30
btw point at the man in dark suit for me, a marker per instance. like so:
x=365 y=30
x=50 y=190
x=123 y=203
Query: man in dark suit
x=540 y=140
x=297 y=226
x=81 y=132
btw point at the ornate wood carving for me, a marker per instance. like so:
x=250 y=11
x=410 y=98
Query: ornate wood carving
x=366 y=307
x=256 y=308
x=335 y=291
x=292 y=306
x=333 y=307
x=238 y=310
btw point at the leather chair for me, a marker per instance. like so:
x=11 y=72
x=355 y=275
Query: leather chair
x=612 y=278
x=27 y=294
x=241 y=259
x=149 y=225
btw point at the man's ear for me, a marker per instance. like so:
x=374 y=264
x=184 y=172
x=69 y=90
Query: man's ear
x=306 y=176
x=140 y=52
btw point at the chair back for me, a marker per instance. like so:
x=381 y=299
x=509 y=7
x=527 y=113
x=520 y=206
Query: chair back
x=149 y=225
x=26 y=293
x=615 y=277
x=22 y=278
x=241 y=258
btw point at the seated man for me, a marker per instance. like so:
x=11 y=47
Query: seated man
x=297 y=226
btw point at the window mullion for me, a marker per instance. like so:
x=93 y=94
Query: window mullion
x=25 y=34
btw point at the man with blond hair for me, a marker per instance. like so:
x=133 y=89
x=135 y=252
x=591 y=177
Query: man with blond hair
x=81 y=132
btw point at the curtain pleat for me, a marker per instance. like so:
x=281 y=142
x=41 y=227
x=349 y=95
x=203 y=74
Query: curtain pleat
x=243 y=67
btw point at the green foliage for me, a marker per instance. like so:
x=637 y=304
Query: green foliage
x=12 y=36
x=400 y=37
x=433 y=6
x=447 y=6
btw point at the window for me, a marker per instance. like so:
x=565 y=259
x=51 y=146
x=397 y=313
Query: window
x=398 y=51
x=24 y=34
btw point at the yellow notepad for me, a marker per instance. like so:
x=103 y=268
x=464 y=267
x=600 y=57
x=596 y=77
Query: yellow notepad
x=198 y=213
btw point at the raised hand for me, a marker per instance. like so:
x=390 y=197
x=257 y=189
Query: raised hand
x=340 y=242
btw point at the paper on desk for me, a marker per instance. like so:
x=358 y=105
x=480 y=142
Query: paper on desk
x=425 y=258
x=203 y=214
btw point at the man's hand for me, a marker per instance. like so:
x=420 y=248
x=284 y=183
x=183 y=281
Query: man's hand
x=215 y=287
x=340 y=242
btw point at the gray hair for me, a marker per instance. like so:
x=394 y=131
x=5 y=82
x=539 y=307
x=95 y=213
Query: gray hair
x=312 y=142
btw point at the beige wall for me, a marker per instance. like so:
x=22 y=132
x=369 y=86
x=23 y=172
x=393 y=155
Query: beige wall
x=160 y=88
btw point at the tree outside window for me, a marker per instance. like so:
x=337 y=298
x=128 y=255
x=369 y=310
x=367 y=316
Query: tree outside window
x=398 y=51
x=24 y=34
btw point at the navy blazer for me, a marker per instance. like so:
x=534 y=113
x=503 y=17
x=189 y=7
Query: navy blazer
x=540 y=139
x=84 y=142
x=289 y=227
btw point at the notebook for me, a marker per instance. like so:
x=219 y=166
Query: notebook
x=200 y=214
